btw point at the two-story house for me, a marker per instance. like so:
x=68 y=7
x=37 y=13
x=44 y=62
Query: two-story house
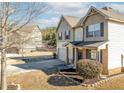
x=99 y=35
x=29 y=38
x=32 y=37
x=65 y=34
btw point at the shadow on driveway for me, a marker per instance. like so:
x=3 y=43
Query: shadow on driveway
x=48 y=66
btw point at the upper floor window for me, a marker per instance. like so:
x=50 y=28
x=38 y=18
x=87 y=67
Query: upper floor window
x=60 y=35
x=67 y=34
x=95 y=30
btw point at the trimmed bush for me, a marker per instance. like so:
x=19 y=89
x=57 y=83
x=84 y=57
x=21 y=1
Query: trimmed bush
x=54 y=55
x=89 y=69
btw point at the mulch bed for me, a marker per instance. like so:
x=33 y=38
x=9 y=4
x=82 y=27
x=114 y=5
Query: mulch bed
x=59 y=80
x=72 y=74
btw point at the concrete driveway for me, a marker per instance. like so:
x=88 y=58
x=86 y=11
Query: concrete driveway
x=48 y=66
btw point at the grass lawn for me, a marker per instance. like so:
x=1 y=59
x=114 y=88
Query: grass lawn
x=40 y=80
x=114 y=84
x=38 y=53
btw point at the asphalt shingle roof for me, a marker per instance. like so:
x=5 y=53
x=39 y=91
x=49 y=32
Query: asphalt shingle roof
x=72 y=20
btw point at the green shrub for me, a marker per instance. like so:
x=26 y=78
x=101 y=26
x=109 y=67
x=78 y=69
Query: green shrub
x=54 y=55
x=89 y=69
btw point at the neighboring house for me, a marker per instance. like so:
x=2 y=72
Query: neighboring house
x=29 y=38
x=32 y=37
x=14 y=40
x=99 y=35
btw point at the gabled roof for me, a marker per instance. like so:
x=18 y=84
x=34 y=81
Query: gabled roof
x=113 y=14
x=29 y=28
x=108 y=12
x=71 y=20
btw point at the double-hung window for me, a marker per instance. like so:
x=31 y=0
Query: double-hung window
x=91 y=54
x=67 y=34
x=94 y=30
x=60 y=35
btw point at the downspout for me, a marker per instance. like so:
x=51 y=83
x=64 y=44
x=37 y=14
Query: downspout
x=83 y=32
x=73 y=34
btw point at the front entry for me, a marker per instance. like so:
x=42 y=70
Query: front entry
x=104 y=60
x=80 y=54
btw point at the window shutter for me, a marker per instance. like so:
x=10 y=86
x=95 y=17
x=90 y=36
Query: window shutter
x=58 y=36
x=65 y=35
x=61 y=35
x=86 y=31
x=102 y=29
x=69 y=34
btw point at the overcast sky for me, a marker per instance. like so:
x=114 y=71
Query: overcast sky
x=52 y=16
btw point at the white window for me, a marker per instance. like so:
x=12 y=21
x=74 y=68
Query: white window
x=94 y=30
x=67 y=32
x=67 y=35
x=91 y=31
x=60 y=35
x=97 y=30
x=93 y=54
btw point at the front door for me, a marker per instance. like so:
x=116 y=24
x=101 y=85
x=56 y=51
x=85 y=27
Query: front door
x=80 y=54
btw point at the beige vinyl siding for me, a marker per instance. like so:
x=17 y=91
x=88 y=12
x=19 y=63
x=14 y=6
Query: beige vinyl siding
x=94 y=19
x=61 y=50
x=64 y=26
x=116 y=44
x=79 y=34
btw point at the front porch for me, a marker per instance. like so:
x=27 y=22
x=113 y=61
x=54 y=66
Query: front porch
x=89 y=50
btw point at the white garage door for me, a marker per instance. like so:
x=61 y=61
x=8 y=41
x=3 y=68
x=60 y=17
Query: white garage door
x=70 y=55
x=62 y=53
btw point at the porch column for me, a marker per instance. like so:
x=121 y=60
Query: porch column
x=75 y=56
x=97 y=56
x=84 y=53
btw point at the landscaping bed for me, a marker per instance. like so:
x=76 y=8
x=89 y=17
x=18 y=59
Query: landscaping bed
x=40 y=80
x=75 y=77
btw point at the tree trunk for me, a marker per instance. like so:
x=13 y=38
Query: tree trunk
x=3 y=70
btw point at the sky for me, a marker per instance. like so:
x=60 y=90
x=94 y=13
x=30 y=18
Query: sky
x=52 y=16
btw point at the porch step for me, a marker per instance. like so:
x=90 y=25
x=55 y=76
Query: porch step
x=103 y=76
x=76 y=76
x=65 y=67
x=69 y=73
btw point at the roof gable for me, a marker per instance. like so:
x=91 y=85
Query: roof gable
x=71 y=20
x=91 y=11
x=109 y=13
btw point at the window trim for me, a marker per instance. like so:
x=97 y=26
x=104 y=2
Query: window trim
x=67 y=36
x=60 y=36
x=89 y=54
x=97 y=31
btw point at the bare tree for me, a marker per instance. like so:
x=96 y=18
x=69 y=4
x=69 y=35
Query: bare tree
x=13 y=17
